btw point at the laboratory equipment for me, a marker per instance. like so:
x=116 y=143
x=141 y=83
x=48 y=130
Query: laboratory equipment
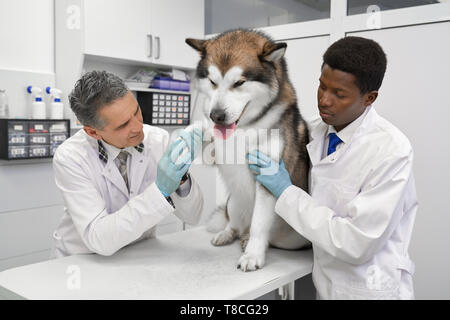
x=56 y=106
x=38 y=109
x=165 y=108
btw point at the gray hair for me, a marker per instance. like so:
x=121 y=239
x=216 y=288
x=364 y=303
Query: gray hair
x=93 y=91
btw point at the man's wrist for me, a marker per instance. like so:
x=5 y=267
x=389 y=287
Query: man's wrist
x=283 y=188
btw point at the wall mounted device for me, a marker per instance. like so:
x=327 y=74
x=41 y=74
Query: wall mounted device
x=165 y=108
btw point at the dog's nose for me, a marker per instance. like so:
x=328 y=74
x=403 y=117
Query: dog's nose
x=217 y=115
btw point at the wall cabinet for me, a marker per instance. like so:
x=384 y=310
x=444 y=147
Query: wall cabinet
x=150 y=31
x=127 y=33
x=172 y=22
x=117 y=28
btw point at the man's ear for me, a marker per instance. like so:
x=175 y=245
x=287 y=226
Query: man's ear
x=92 y=132
x=273 y=51
x=370 y=97
x=197 y=44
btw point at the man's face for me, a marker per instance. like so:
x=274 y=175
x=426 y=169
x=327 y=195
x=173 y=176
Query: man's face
x=124 y=122
x=339 y=99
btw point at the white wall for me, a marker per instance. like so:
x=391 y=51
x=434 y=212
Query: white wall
x=27 y=35
x=30 y=204
x=414 y=96
x=304 y=59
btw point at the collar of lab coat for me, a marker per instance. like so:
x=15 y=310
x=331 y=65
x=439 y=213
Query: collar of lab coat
x=321 y=130
x=113 y=151
x=347 y=133
x=149 y=157
x=111 y=172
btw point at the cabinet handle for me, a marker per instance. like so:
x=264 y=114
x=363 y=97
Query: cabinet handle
x=150 y=45
x=158 y=44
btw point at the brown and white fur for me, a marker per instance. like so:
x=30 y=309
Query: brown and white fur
x=264 y=100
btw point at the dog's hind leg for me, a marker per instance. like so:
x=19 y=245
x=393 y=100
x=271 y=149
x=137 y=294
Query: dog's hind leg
x=263 y=216
x=239 y=216
x=218 y=219
x=230 y=232
x=225 y=236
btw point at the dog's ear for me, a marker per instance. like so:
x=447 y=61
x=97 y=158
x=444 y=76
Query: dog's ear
x=273 y=51
x=197 y=44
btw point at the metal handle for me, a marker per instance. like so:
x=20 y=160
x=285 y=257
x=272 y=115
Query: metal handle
x=150 y=45
x=158 y=44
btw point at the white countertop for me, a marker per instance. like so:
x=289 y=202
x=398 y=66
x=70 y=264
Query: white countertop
x=183 y=265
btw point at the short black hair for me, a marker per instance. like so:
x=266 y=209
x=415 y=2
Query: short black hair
x=363 y=58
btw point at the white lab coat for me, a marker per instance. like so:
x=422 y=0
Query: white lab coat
x=360 y=214
x=100 y=215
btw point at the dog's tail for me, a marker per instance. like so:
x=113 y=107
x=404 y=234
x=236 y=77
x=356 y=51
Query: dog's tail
x=218 y=219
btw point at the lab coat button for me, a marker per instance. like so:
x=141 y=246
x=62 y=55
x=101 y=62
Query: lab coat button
x=141 y=161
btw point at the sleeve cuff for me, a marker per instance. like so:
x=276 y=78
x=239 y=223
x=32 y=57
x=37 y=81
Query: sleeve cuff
x=184 y=189
x=287 y=199
x=163 y=204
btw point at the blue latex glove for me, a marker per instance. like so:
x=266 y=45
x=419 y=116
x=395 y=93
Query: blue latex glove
x=176 y=161
x=193 y=141
x=269 y=173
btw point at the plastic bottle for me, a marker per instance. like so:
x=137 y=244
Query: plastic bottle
x=4 y=106
x=37 y=106
x=56 y=106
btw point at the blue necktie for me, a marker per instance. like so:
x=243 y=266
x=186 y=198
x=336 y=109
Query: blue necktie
x=334 y=141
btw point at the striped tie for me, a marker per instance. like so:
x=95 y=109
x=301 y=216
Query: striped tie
x=123 y=155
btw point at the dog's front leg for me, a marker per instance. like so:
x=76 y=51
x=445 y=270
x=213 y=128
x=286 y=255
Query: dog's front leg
x=263 y=216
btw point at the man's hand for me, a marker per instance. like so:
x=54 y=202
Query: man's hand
x=176 y=161
x=269 y=173
x=193 y=141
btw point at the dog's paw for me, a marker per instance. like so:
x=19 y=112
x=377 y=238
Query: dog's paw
x=223 y=237
x=251 y=262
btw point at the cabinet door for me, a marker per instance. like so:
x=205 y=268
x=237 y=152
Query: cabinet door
x=173 y=21
x=118 y=28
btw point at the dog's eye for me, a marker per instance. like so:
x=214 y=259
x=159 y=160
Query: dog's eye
x=213 y=83
x=238 y=83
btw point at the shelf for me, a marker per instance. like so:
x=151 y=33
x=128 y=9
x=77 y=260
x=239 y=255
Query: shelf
x=25 y=161
x=135 y=63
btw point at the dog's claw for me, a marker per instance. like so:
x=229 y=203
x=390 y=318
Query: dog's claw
x=250 y=262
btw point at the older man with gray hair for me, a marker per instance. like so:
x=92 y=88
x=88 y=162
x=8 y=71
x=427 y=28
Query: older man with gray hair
x=119 y=177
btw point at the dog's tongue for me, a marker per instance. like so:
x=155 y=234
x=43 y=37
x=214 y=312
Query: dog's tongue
x=224 y=132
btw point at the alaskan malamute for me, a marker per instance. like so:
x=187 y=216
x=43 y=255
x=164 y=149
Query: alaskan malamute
x=244 y=74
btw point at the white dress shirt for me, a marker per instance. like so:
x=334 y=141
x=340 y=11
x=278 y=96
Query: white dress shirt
x=345 y=134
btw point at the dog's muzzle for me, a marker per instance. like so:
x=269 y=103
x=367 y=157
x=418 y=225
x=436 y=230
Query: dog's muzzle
x=218 y=116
